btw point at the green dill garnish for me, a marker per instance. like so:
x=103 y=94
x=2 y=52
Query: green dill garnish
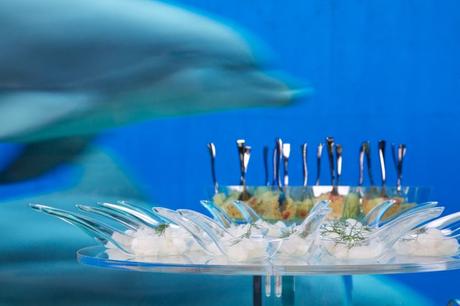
x=160 y=229
x=247 y=234
x=287 y=232
x=348 y=235
x=421 y=230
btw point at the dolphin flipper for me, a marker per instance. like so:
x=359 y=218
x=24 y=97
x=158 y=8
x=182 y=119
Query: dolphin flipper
x=25 y=112
x=37 y=158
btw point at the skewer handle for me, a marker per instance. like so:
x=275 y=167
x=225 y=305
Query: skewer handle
x=367 y=152
x=277 y=155
x=361 y=165
x=338 y=156
x=303 y=149
x=286 y=153
x=212 y=153
x=330 y=153
x=399 y=167
x=319 y=153
x=382 y=146
x=240 y=143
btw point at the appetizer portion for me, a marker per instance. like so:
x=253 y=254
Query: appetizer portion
x=266 y=203
x=349 y=239
x=427 y=242
x=277 y=200
x=298 y=201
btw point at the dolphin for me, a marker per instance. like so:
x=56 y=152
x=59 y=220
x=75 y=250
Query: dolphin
x=70 y=69
x=78 y=66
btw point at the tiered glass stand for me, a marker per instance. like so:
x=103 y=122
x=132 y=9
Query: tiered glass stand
x=273 y=281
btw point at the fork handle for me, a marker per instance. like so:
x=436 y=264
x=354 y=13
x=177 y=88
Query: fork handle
x=277 y=162
x=240 y=143
x=399 y=167
x=382 y=146
x=330 y=154
x=212 y=153
x=319 y=153
x=303 y=149
x=361 y=165
x=367 y=152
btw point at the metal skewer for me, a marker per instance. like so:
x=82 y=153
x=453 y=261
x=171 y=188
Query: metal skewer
x=286 y=153
x=383 y=172
x=240 y=143
x=244 y=153
x=367 y=152
x=361 y=165
x=282 y=200
x=246 y=157
x=276 y=162
x=212 y=153
x=398 y=158
x=330 y=154
x=303 y=149
x=279 y=149
x=319 y=152
x=382 y=146
x=338 y=156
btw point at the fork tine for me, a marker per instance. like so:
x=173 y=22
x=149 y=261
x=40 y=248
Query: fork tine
x=399 y=226
x=132 y=212
x=203 y=236
x=95 y=229
x=422 y=206
x=314 y=219
x=414 y=210
x=445 y=221
x=142 y=209
x=455 y=232
x=112 y=215
x=191 y=214
x=217 y=213
x=246 y=211
x=373 y=217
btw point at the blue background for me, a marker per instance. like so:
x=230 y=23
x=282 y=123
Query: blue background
x=379 y=69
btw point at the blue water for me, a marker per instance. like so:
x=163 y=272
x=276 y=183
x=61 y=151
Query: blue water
x=380 y=69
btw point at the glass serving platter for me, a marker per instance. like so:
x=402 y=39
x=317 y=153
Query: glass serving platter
x=330 y=230
x=284 y=272
x=162 y=240
x=97 y=256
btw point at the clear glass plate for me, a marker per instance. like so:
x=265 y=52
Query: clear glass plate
x=97 y=256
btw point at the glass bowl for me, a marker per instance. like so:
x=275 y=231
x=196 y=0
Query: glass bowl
x=293 y=203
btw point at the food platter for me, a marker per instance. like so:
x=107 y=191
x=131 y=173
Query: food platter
x=162 y=240
x=283 y=272
x=97 y=256
x=276 y=231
